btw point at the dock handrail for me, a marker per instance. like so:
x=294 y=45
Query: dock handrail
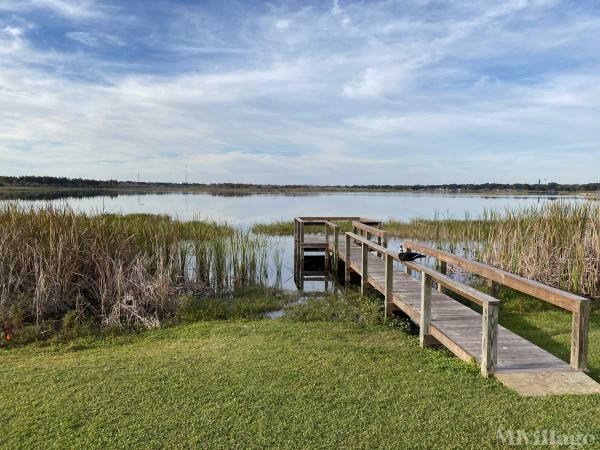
x=367 y=229
x=457 y=287
x=563 y=299
x=489 y=343
x=579 y=306
x=321 y=219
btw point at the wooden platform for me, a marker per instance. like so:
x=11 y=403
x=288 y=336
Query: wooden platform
x=521 y=365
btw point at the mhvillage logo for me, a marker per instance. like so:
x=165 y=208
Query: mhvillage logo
x=544 y=437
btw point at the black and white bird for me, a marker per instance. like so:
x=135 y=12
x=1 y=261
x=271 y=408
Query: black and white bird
x=409 y=256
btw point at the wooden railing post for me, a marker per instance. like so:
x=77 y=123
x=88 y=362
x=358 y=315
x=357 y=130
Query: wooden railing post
x=295 y=235
x=579 y=336
x=492 y=288
x=336 y=247
x=364 y=269
x=408 y=271
x=443 y=268
x=301 y=249
x=425 y=322
x=389 y=285
x=347 y=263
x=489 y=340
x=296 y=270
x=326 y=247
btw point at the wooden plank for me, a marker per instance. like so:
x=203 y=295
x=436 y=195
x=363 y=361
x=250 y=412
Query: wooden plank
x=549 y=383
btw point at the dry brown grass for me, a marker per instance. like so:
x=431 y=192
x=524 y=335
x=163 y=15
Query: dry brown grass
x=118 y=270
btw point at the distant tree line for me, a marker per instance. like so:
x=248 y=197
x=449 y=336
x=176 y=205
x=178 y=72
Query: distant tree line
x=63 y=182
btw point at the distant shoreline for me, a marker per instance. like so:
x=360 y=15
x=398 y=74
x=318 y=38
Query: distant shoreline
x=132 y=190
x=41 y=185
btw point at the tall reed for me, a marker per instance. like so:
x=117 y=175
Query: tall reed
x=119 y=270
x=555 y=243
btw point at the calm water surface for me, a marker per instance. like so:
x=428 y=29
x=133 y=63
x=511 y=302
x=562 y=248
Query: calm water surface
x=249 y=209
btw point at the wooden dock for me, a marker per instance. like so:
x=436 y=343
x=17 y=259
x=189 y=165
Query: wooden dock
x=470 y=335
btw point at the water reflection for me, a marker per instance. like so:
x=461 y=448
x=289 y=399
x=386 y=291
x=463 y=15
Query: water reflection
x=247 y=208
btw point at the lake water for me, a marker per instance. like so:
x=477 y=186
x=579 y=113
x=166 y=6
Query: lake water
x=248 y=209
x=256 y=208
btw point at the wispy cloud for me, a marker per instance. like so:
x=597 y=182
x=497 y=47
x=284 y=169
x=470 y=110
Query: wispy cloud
x=93 y=39
x=305 y=93
x=75 y=9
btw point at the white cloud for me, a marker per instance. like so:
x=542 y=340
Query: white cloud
x=282 y=24
x=252 y=103
x=10 y=39
x=93 y=39
x=74 y=9
x=338 y=11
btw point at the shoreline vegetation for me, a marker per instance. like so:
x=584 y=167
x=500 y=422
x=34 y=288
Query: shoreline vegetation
x=110 y=311
x=59 y=268
x=84 y=187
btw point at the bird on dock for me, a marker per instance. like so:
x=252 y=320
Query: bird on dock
x=408 y=256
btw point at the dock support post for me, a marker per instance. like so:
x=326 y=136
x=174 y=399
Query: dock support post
x=489 y=341
x=364 y=269
x=389 y=285
x=579 y=336
x=443 y=268
x=425 y=338
x=408 y=271
x=347 y=262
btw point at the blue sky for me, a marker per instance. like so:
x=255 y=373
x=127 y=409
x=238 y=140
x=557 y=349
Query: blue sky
x=406 y=91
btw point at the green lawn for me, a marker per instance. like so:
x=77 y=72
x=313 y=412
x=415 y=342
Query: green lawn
x=259 y=383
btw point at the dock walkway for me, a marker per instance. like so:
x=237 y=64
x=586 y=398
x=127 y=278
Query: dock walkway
x=469 y=334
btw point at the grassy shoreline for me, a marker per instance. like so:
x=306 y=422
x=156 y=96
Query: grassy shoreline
x=329 y=373
x=257 y=384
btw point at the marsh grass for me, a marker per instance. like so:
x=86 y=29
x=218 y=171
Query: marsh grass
x=555 y=243
x=58 y=266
